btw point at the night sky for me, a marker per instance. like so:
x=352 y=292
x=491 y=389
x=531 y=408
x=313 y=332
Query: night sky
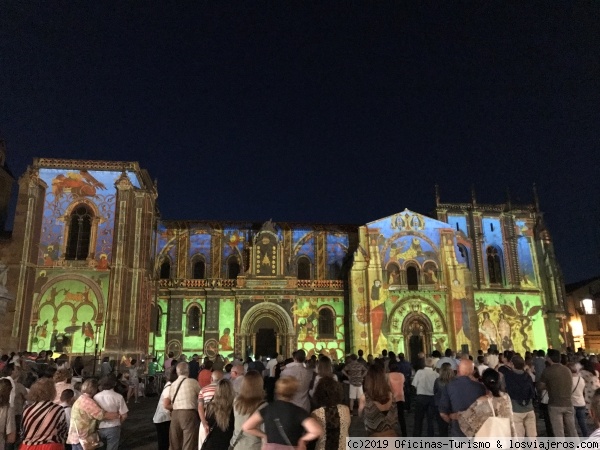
x=337 y=112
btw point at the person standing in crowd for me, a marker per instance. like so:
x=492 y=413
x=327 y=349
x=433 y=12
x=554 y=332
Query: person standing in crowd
x=481 y=366
x=595 y=415
x=219 y=415
x=303 y=375
x=134 y=382
x=406 y=370
x=332 y=415
x=521 y=391
x=249 y=399
x=539 y=363
x=43 y=421
x=459 y=394
x=590 y=378
x=182 y=401
x=557 y=380
x=237 y=376
x=85 y=414
x=446 y=376
x=283 y=417
x=270 y=379
x=397 y=380
x=110 y=430
x=493 y=403
x=194 y=366
x=205 y=375
x=162 y=416
x=105 y=367
x=169 y=362
x=356 y=373
x=18 y=396
x=61 y=382
x=376 y=405
x=204 y=398
x=324 y=369
x=448 y=358
x=578 y=399
x=423 y=382
x=7 y=415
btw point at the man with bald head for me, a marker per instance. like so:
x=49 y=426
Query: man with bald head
x=460 y=393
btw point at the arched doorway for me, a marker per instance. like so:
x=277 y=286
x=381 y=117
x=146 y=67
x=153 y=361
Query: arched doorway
x=266 y=327
x=265 y=331
x=417 y=331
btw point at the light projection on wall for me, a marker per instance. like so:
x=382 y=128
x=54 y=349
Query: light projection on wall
x=200 y=244
x=524 y=233
x=511 y=322
x=306 y=318
x=226 y=325
x=68 y=312
x=69 y=187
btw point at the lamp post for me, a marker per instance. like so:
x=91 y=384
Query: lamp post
x=96 y=349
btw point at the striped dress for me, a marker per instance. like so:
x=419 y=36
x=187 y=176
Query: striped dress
x=43 y=423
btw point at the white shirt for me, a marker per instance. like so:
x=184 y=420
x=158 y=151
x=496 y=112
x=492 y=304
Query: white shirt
x=424 y=380
x=110 y=401
x=482 y=368
x=577 y=392
x=162 y=414
x=271 y=367
x=446 y=359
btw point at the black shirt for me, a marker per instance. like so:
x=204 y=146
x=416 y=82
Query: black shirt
x=290 y=416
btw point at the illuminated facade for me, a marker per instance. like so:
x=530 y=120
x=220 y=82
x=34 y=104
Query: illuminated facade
x=92 y=263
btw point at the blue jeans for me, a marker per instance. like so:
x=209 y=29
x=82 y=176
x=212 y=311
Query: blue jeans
x=581 y=420
x=110 y=437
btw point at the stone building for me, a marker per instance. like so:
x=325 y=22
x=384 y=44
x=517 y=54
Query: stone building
x=92 y=267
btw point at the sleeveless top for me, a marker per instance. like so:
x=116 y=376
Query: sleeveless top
x=380 y=422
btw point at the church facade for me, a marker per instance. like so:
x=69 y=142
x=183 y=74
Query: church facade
x=93 y=268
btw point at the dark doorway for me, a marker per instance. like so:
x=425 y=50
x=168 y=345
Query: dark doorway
x=266 y=342
x=415 y=345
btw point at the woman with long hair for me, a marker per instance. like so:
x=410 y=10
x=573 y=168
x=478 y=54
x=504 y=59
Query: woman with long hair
x=162 y=416
x=324 y=369
x=285 y=422
x=494 y=403
x=332 y=414
x=250 y=399
x=219 y=415
x=439 y=386
x=44 y=423
x=7 y=415
x=377 y=405
x=61 y=382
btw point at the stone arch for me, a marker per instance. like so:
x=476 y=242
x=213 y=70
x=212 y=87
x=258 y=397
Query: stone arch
x=73 y=277
x=286 y=336
x=397 y=236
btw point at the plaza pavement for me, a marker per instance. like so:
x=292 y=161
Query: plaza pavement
x=138 y=431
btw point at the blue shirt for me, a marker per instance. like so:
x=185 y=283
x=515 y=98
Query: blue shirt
x=459 y=394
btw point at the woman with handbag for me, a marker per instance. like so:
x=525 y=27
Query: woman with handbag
x=287 y=426
x=162 y=416
x=44 y=423
x=250 y=399
x=219 y=415
x=377 y=406
x=85 y=415
x=491 y=415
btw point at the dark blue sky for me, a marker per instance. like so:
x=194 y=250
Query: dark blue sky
x=318 y=112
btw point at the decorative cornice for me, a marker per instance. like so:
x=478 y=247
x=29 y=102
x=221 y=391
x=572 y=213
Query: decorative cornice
x=51 y=163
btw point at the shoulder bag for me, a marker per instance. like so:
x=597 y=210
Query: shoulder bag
x=494 y=426
x=241 y=433
x=273 y=446
x=175 y=396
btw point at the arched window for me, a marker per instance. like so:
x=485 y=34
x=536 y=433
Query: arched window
x=194 y=321
x=303 y=268
x=412 y=278
x=393 y=274
x=233 y=268
x=326 y=323
x=165 y=269
x=465 y=254
x=198 y=268
x=494 y=263
x=80 y=231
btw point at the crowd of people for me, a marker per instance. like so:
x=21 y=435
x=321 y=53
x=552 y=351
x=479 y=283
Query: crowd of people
x=266 y=403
